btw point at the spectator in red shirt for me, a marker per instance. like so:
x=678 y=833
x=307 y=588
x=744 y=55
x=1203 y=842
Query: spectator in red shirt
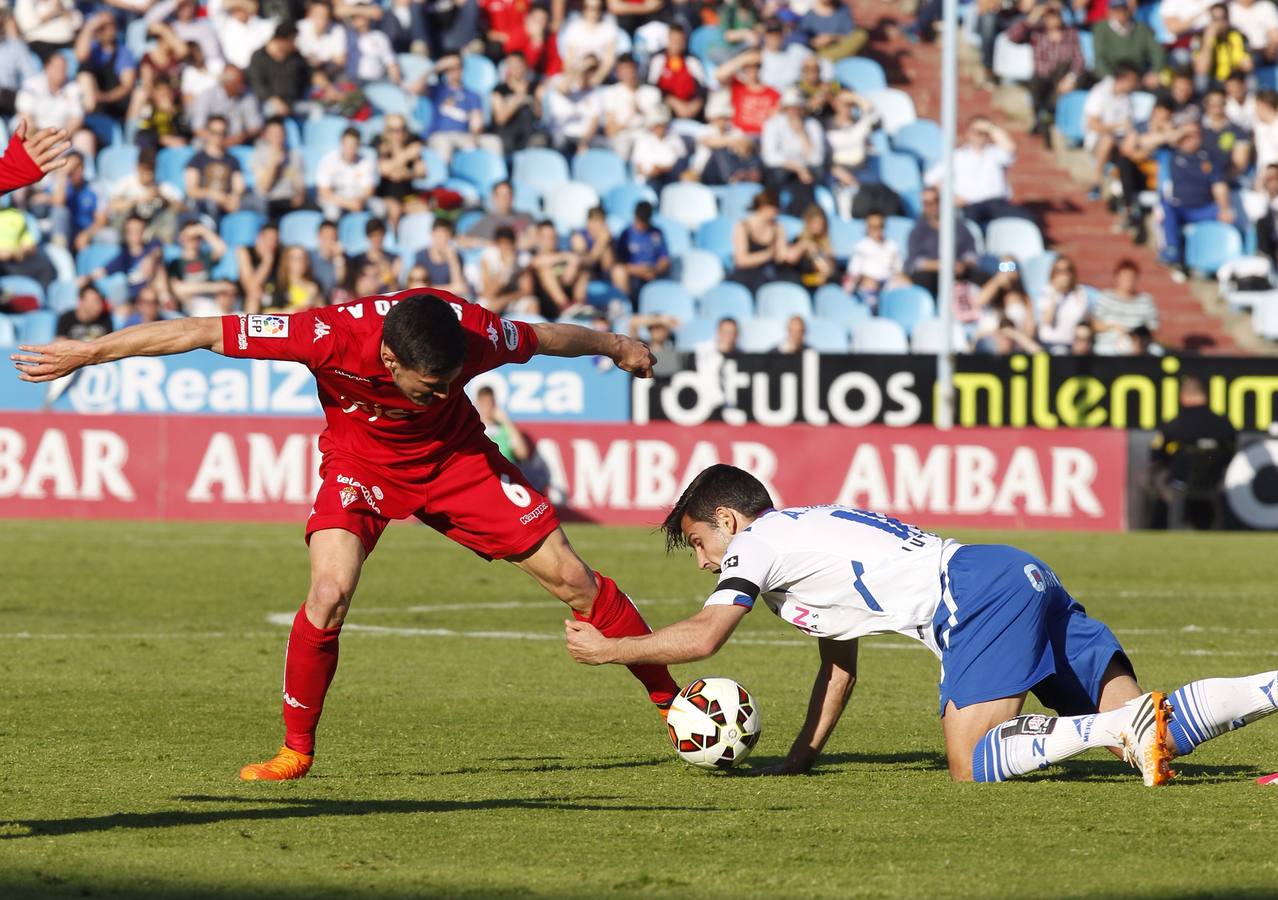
x=541 y=50
x=753 y=102
x=680 y=76
x=504 y=29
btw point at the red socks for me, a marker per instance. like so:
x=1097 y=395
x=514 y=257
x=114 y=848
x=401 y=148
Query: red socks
x=309 y=665
x=615 y=615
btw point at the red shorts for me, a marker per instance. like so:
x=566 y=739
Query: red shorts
x=477 y=498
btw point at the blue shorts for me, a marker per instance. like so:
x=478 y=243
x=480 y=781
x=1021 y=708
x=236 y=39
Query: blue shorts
x=1006 y=625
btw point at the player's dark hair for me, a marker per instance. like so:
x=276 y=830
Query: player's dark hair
x=719 y=485
x=425 y=334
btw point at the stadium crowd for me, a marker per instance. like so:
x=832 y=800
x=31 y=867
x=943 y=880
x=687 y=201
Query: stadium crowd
x=681 y=169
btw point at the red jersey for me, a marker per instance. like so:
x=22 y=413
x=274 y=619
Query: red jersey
x=368 y=417
x=507 y=18
x=17 y=168
x=753 y=105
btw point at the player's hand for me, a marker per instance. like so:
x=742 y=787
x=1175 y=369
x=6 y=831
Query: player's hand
x=633 y=356
x=586 y=644
x=46 y=362
x=45 y=147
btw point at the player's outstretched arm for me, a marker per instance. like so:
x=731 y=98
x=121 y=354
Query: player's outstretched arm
x=688 y=641
x=630 y=355
x=830 y=693
x=46 y=362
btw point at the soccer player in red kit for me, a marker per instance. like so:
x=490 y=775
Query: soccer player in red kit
x=402 y=439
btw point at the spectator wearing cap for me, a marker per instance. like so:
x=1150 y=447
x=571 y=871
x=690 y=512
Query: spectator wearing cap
x=659 y=156
x=47 y=25
x=369 y=56
x=1199 y=193
x=1058 y=59
x=404 y=24
x=678 y=76
x=516 y=107
x=1220 y=50
x=572 y=109
x=241 y=32
x=793 y=152
x=590 y=35
x=752 y=100
x=641 y=253
x=626 y=105
x=278 y=74
x=230 y=101
x=214 y=182
x=345 y=178
x=829 y=30
x=1107 y=117
x=780 y=63
x=320 y=40
x=457 y=120
x=980 y=172
x=386 y=265
x=1258 y=22
x=279 y=182
x=89 y=320
x=440 y=259
x=1119 y=38
x=107 y=64
x=724 y=153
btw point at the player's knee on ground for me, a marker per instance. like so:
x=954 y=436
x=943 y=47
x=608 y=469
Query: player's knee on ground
x=960 y=767
x=327 y=602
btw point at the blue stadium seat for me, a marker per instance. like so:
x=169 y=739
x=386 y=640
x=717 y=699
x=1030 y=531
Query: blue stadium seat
x=702 y=41
x=1151 y=14
x=436 y=170
x=898 y=228
x=479 y=74
x=1036 y=271
x=600 y=293
x=568 y=204
x=716 y=236
x=37 y=327
x=114 y=287
x=668 y=297
x=227 y=268
x=371 y=128
x=906 y=306
x=63 y=295
x=832 y=302
x=292 y=133
x=481 y=168
x=844 y=234
x=527 y=199
x=621 y=200
x=135 y=37
x=1087 y=44
x=760 y=335
x=22 y=286
x=860 y=74
x=244 y=156
x=240 y=228
x=602 y=169
x=116 y=162
x=688 y=202
x=301 y=226
x=922 y=140
x=1209 y=245
x=105 y=128
x=94 y=256
x=735 y=199
x=170 y=166
x=700 y=271
x=1069 y=117
x=413 y=67
x=879 y=336
x=781 y=300
x=791 y=225
x=895 y=108
x=388 y=99
x=323 y=133
x=414 y=229
x=529 y=318
x=826 y=336
x=694 y=332
x=1018 y=238
x=539 y=167
x=350 y=232
x=727 y=299
x=1142 y=105
x=8 y=332
x=678 y=238
x=61 y=259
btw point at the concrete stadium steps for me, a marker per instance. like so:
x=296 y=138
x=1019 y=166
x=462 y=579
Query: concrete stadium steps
x=1071 y=224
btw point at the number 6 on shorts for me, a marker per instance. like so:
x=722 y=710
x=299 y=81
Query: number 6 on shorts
x=517 y=493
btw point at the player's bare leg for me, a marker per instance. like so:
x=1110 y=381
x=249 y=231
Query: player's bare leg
x=964 y=728
x=337 y=557
x=595 y=598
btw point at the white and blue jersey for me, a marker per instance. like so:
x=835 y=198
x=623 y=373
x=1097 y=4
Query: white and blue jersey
x=998 y=618
x=837 y=572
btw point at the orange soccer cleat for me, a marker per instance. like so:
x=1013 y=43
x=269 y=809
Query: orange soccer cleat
x=287 y=765
x=1145 y=741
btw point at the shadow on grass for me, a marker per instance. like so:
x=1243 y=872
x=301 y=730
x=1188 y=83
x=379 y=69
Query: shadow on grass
x=279 y=808
x=913 y=760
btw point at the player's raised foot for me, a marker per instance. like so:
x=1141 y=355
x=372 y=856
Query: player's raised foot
x=1144 y=738
x=287 y=765
x=663 y=709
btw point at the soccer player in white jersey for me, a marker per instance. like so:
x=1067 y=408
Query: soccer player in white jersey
x=998 y=618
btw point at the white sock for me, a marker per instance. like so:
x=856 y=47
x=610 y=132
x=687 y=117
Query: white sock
x=1028 y=743
x=1202 y=710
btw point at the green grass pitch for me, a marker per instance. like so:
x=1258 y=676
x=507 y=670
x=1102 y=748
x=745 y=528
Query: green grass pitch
x=140 y=668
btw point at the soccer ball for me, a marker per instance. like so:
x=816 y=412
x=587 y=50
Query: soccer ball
x=713 y=723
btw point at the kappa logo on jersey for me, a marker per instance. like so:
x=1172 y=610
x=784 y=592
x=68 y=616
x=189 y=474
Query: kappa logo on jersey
x=268 y=326
x=371 y=494
x=241 y=339
x=1036 y=577
x=349 y=495
x=293 y=702
x=492 y=336
x=375 y=410
x=322 y=330
x=730 y=562
x=512 y=334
